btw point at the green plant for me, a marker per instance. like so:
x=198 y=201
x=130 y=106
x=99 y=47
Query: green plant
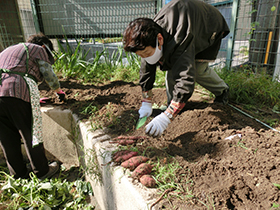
x=89 y=109
x=71 y=63
x=256 y=89
x=102 y=67
x=240 y=144
x=166 y=176
x=109 y=40
x=49 y=194
x=244 y=50
x=276 y=185
x=91 y=167
x=275 y=206
x=160 y=79
x=94 y=123
x=210 y=201
x=254 y=25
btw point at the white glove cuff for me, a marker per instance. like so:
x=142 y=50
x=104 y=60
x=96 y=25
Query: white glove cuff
x=145 y=110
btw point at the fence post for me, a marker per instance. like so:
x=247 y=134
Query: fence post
x=160 y=4
x=35 y=16
x=234 y=15
x=276 y=74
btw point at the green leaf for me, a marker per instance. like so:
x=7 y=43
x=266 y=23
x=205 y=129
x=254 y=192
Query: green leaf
x=9 y=185
x=46 y=207
x=141 y=122
x=276 y=185
x=90 y=190
x=45 y=186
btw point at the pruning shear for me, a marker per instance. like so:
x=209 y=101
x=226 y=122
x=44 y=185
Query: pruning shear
x=141 y=122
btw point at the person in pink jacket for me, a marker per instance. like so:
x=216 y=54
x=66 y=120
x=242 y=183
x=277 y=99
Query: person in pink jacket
x=22 y=67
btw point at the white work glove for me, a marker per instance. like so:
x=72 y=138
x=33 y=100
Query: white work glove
x=145 y=110
x=159 y=124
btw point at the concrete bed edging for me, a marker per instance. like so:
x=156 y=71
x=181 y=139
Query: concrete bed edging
x=73 y=143
x=118 y=191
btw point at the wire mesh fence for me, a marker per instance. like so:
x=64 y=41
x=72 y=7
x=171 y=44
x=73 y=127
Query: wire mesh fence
x=87 y=18
x=257 y=35
x=252 y=43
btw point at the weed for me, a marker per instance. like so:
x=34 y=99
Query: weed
x=275 y=206
x=276 y=185
x=244 y=50
x=255 y=89
x=90 y=109
x=240 y=144
x=166 y=175
x=91 y=167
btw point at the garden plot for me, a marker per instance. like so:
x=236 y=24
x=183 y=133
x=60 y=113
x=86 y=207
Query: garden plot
x=206 y=169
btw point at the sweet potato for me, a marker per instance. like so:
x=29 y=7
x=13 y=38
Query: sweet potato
x=142 y=169
x=119 y=153
x=130 y=137
x=125 y=157
x=147 y=180
x=123 y=142
x=133 y=162
x=117 y=156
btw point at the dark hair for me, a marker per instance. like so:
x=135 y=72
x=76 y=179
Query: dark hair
x=41 y=39
x=140 y=33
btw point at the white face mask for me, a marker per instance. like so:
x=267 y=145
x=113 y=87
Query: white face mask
x=155 y=57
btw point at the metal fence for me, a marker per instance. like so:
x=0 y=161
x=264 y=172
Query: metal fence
x=256 y=35
x=254 y=25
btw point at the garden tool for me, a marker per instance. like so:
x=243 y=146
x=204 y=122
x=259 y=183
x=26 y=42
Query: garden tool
x=141 y=122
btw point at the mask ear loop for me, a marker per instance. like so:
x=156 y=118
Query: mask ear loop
x=53 y=59
x=47 y=47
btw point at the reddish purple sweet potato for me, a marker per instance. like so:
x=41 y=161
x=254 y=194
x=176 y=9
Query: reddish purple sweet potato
x=123 y=142
x=120 y=153
x=125 y=157
x=116 y=156
x=133 y=162
x=130 y=137
x=147 y=180
x=142 y=169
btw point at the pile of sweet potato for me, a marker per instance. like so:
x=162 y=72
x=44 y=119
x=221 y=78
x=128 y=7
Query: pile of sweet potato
x=137 y=164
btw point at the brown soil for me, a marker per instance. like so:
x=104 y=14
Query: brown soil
x=214 y=173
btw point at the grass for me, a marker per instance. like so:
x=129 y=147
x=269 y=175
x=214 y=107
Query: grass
x=254 y=89
x=255 y=92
